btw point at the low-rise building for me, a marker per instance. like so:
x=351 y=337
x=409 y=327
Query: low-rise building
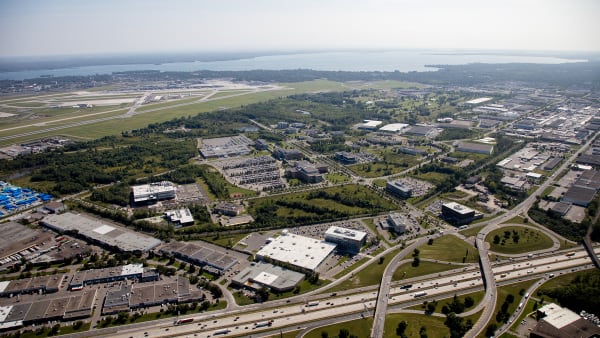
x=149 y=193
x=229 y=209
x=473 y=147
x=261 y=275
x=561 y=322
x=347 y=240
x=180 y=217
x=399 y=189
x=307 y=172
x=396 y=222
x=458 y=214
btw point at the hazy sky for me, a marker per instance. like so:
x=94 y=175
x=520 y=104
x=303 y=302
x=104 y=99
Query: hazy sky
x=30 y=27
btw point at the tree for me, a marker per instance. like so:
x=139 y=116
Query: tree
x=469 y=301
x=324 y=334
x=431 y=307
x=381 y=260
x=416 y=261
x=496 y=239
x=491 y=329
x=344 y=333
x=423 y=332
x=401 y=328
x=430 y=241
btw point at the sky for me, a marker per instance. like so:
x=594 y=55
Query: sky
x=64 y=27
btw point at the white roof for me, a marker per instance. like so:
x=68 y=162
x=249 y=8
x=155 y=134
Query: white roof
x=4 y=311
x=3 y=286
x=458 y=207
x=131 y=269
x=371 y=123
x=266 y=278
x=557 y=316
x=394 y=127
x=479 y=100
x=103 y=230
x=301 y=251
x=345 y=233
x=534 y=175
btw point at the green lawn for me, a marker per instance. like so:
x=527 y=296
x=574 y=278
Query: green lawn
x=434 y=325
x=424 y=268
x=336 y=178
x=529 y=240
x=450 y=248
x=358 y=327
x=477 y=297
x=371 y=275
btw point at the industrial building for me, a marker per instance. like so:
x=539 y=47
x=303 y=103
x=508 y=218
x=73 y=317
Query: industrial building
x=260 y=275
x=42 y=310
x=393 y=127
x=477 y=148
x=229 y=209
x=18 y=240
x=180 y=217
x=214 y=261
x=107 y=275
x=395 y=222
x=369 y=125
x=458 y=214
x=347 y=240
x=579 y=195
x=399 y=189
x=423 y=131
x=224 y=146
x=41 y=284
x=96 y=231
x=150 y=193
x=561 y=322
x=304 y=253
x=150 y=294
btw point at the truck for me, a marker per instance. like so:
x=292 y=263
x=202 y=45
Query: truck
x=263 y=324
x=222 y=331
x=420 y=294
x=520 y=305
x=315 y=303
x=184 y=321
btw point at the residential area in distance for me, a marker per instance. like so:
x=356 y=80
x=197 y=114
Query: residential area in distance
x=140 y=204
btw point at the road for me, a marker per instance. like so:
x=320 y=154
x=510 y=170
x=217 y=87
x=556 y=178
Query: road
x=484 y=261
x=331 y=308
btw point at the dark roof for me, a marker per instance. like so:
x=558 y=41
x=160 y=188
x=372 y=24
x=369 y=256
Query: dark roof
x=589 y=179
x=561 y=207
x=588 y=159
x=579 y=195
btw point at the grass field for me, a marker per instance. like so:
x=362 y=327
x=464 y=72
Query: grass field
x=336 y=178
x=371 y=275
x=471 y=231
x=358 y=327
x=450 y=248
x=529 y=240
x=477 y=297
x=434 y=325
x=406 y=270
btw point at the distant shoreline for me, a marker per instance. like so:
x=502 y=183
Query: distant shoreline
x=349 y=60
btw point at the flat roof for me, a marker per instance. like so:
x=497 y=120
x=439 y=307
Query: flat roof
x=270 y=275
x=112 y=235
x=301 y=251
x=146 y=192
x=394 y=127
x=475 y=146
x=479 y=100
x=458 y=207
x=557 y=316
x=345 y=233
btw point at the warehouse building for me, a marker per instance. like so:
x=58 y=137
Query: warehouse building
x=260 y=275
x=43 y=310
x=347 y=240
x=458 y=214
x=224 y=146
x=214 y=261
x=304 y=253
x=561 y=322
x=477 y=148
x=108 y=275
x=579 y=195
x=96 y=231
x=150 y=193
x=41 y=284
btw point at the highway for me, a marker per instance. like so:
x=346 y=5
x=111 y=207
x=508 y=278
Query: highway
x=293 y=312
x=490 y=295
